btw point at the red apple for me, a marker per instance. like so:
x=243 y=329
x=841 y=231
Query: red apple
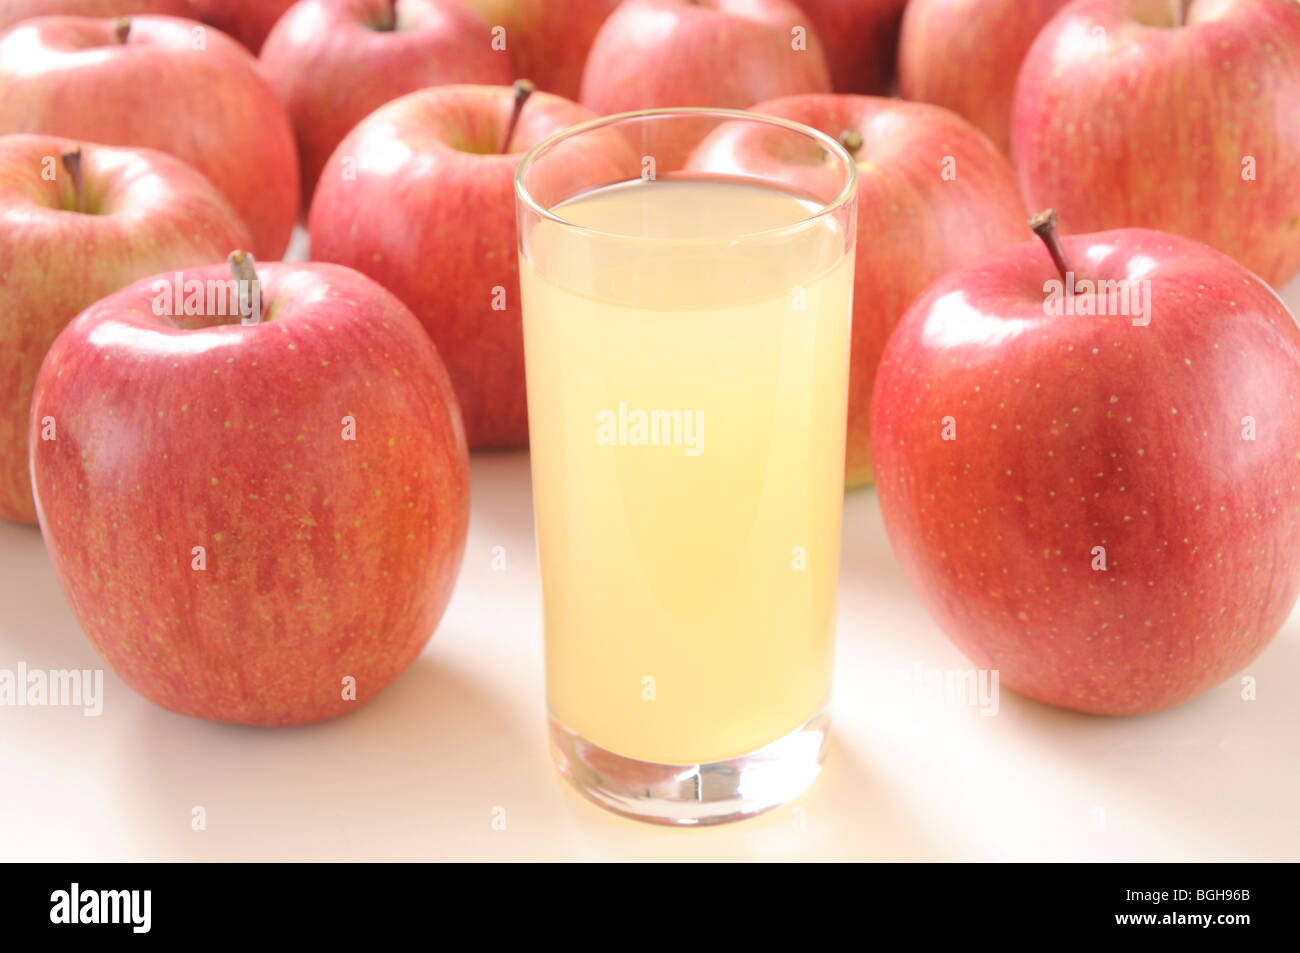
x=420 y=197
x=333 y=62
x=548 y=40
x=965 y=55
x=164 y=83
x=11 y=11
x=861 y=40
x=226 y=546
x=933 y=194
x=248 y=21
x=1181 y=116
x=1103 y=507
x=76 y=223
x=714 y=53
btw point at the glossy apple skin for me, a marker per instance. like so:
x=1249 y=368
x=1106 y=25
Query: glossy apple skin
x=965 y=55
x=1075 y=432
x=913 y=223
x=248 y=21
x=710 y=53
x=11 y=11
x=860 y=38
x=150 y=212
x=548 y=40
x=1183 y=108
x=325 y=558
x=69 y=76
x=331 y=64
x=435 y=224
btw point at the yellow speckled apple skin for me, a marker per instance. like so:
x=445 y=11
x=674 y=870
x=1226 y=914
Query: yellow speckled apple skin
x=1105 y=512
x=147 y=211
x=325 y=559
x=1187 y=124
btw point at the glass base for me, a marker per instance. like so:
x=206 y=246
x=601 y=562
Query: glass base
x=689 y=794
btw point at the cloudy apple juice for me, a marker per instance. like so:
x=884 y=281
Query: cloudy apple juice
x=687 y=389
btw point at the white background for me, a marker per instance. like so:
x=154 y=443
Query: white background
x=420 y=772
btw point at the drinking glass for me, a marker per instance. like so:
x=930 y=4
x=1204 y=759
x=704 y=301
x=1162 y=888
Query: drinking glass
x=687 y=282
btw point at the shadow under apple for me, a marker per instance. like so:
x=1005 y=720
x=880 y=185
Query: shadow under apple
x=1190 y=773
x=37 y=626
x=414 y=774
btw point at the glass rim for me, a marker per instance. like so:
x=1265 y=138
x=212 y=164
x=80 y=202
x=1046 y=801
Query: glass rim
x=846 y=194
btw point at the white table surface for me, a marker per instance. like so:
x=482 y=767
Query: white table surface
x=422 y=771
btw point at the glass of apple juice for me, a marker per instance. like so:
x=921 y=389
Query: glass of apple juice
x=687 y=286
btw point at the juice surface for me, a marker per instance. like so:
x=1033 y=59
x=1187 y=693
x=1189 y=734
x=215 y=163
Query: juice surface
x=687 y=397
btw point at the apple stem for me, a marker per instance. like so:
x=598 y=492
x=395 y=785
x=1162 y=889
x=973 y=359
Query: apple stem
x=71 y=159
x=122 y=28
x=1183 y=9
x=522 y=89
x=1044 y=226
x=390 y=18
x=244 y=269
x=851 y=140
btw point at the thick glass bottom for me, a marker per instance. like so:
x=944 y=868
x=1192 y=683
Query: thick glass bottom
x=689 y=794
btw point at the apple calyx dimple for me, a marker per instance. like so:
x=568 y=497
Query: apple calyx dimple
x=244 y=269
x=71 y=159
x=121 y=29
x=522 y=89
x=1044 y=226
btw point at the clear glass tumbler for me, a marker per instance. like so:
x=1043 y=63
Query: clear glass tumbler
x=687 y=283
